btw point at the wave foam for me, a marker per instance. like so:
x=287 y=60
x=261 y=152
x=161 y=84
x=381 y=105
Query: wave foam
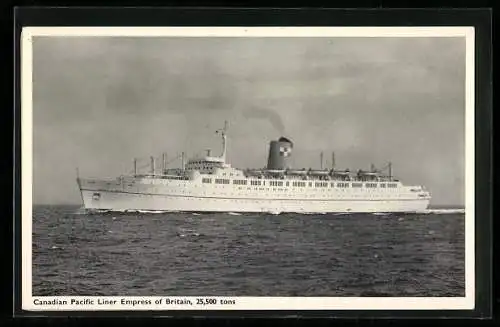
x=442 y=211
x=149 y=211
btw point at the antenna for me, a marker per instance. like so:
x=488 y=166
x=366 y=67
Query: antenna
x=321 y=160
x=152 y=165
x=78 y=178
x=390 y=170
x=223 y=134
x=164 y=163
x=333 y=160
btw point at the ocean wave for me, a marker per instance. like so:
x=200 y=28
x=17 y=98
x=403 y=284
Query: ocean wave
x=148 y=211
x=442 y=211
x=188 y=234
x=118 y=211
x=80 y=211
x=178 y=254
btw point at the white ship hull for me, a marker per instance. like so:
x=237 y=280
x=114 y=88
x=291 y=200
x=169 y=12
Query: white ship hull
x=123 y=201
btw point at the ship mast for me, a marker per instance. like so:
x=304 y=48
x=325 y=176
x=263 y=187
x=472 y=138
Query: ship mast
x=224 y=140
x=164 y=163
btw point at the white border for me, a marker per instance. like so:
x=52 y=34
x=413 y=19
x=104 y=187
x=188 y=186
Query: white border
x=247 y=303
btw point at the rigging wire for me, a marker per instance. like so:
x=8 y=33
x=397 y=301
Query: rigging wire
x=147 y=161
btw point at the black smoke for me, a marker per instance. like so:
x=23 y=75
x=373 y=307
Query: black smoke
x=271 y=116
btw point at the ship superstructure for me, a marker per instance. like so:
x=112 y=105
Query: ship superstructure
x=210 y=184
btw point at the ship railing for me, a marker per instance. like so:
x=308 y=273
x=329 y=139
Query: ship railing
x=172 y=177
x=162 y=176
x=98 y=180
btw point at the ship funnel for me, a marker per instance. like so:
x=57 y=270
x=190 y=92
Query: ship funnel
x=280 y=152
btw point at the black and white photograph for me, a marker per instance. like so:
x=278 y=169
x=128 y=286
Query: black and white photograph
x=248 y=168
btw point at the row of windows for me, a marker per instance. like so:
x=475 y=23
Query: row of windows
x=203 y=167
x=287 y=192
x=284 y=196
x=295 y=184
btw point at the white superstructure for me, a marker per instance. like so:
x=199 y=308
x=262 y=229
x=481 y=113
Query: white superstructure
x=210 y=184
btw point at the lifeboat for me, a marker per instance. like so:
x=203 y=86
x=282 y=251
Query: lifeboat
x=275 y=171
x=368 y=174
x=342 y=173
x=319 y=172
x=296 y=172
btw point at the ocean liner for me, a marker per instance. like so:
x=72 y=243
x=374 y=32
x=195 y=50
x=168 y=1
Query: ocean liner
x=210 y=184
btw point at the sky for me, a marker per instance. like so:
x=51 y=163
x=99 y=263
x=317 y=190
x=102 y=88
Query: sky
x=99 y=102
